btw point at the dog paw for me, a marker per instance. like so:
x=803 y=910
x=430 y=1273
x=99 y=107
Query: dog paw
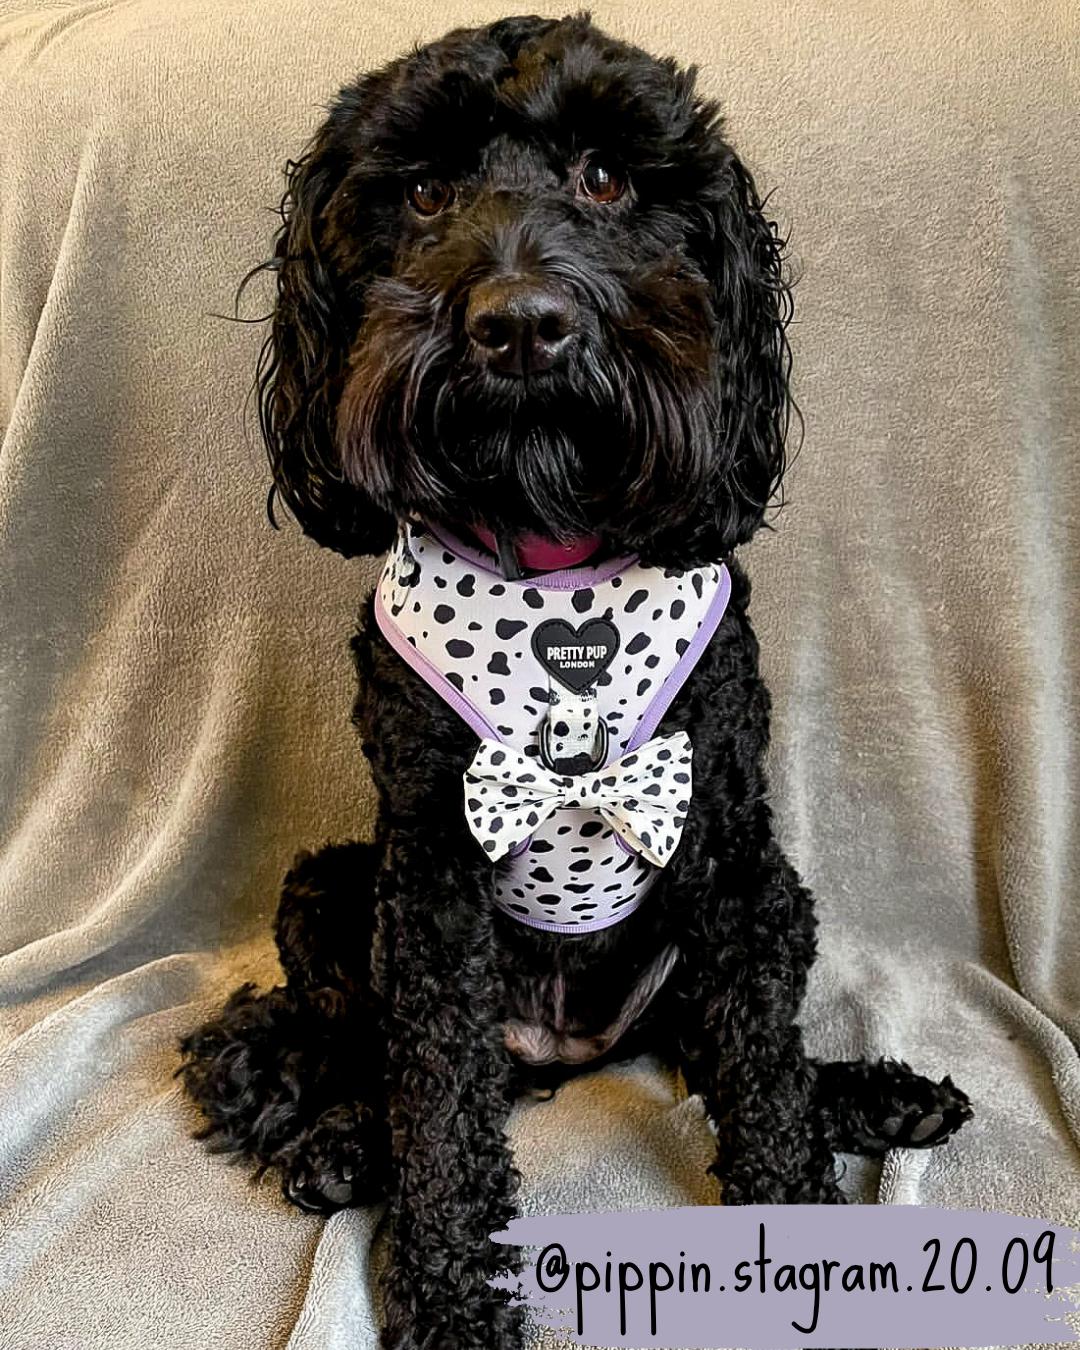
x=939 y=1111
x=318 y=1194
x=874 y=1107
x=332 y=1166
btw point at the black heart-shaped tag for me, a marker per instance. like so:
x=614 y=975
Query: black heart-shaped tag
x=576 y=656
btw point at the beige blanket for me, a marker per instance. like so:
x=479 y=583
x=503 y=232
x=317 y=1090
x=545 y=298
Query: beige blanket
x=175 y=687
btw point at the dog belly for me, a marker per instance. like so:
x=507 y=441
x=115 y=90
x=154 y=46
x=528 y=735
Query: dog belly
x=540 y=1031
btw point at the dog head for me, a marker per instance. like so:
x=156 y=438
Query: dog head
x=525 y=285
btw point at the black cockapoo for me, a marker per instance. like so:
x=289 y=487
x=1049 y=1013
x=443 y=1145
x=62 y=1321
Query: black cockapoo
x=530 y=337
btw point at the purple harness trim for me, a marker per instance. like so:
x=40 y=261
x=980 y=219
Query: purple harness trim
x=593 y=925
x=428 y=673
x=665 y=695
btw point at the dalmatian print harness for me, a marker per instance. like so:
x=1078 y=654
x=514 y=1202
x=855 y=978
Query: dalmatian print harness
x=565 y=677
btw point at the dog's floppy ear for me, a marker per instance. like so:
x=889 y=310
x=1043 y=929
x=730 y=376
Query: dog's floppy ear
x=302 y=365
x=744 y=259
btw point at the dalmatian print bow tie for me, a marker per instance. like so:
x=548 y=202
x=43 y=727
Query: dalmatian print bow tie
x=644 y=796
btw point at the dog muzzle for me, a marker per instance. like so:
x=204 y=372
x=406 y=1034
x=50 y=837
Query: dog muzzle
x=644 y=796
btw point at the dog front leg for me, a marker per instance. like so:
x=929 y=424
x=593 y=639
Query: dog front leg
x=747 y=944
x=772 y=1146
x=453 y=1182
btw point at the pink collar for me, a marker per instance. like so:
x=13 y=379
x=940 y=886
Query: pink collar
x=537 y=554
x=565 y=577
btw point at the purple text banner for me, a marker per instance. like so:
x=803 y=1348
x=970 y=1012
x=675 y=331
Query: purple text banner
x=775 y=1277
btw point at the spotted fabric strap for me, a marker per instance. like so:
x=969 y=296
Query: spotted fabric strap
x=644 y=796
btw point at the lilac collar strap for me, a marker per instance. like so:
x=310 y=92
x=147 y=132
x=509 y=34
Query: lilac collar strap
x=568 y=673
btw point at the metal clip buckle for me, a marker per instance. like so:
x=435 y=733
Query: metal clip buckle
x=600 y=750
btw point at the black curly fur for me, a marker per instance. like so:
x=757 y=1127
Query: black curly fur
x=379 y=1069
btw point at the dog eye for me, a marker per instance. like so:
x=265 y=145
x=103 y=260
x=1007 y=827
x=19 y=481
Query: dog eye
x=429 y=196
x=602 y=182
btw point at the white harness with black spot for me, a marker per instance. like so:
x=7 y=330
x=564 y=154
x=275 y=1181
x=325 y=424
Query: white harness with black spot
x=565 y=677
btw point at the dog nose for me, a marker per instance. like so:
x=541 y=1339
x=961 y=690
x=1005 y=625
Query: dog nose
x=520 y=326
